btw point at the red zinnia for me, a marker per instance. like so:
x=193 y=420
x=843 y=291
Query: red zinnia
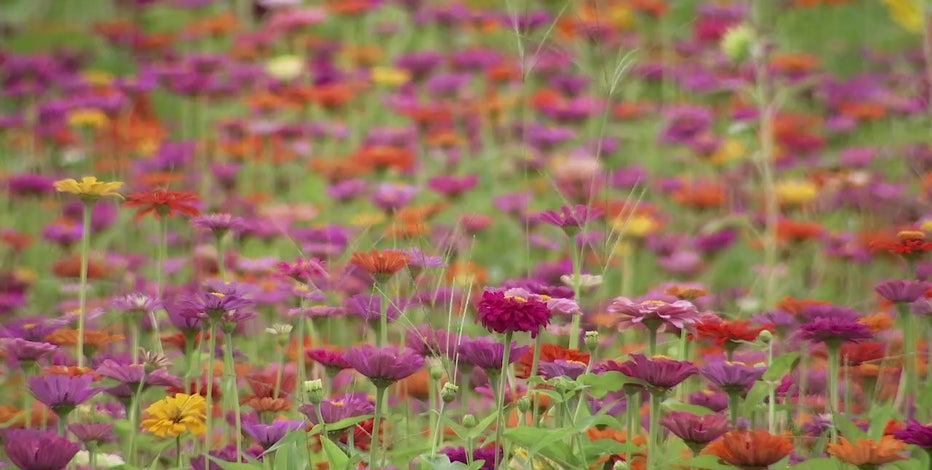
x=548 y=353
x=910 y=244
x=729 y=333
x=164 y=202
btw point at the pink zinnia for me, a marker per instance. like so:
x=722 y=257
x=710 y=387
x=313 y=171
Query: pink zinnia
x=653 y=313
x=503 y=314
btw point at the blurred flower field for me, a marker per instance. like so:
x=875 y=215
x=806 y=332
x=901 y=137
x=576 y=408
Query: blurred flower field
x=431 y=234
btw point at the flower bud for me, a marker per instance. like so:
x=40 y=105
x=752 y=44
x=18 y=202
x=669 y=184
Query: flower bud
x=524 y=404
x=592 y=340
x=469 y=421
x=314 y=390
x=765 y=336
x=621 y=465
x=737 y=42
x=436 y=372
x=448 y=392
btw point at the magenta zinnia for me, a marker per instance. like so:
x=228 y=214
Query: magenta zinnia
x=503 y=314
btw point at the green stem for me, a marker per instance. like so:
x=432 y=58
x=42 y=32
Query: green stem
x=134 y=341
x=299 y=351
x=909 y=357
x=376 y=423
x=632 y=409
x=211 y=347
x=771 y=396
x=500 y=398
x=535 y=363
x=230 y=371
x=383 y=319
x=833 y=387
x=436 y=437
x=734 y=400
x=159 y=277
x=221 y=265
x=432 y=418
x=654 y=432
x=652 y=341
x=82 y=294
x=577 y=274
x=178 y=451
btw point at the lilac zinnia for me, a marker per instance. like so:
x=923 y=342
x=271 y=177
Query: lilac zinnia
x=695 y=430
x=93 y=433
x=30 y=449
x=653 y=313
x=731 y=377
x=136 y=304
x=658 y=372
x=915 y=433
x=266 y=435
x=219 y=224
x=345 y=406
x=562 y=368
x=503 y=314
x=384 y=366
x=428 y=341
x=131 y=375
x=715 y=401
x=486 y=353
x=24 y=350
x=901 y=291
x=570 y=218
x=62 y=393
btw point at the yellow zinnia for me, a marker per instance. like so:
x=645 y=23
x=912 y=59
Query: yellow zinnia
x=286 y=67
x=796 y=192
x=172 y=416
x=89 y=188
x=390 y=76
x=88 y=117
x=906 y=13
x=637 y=226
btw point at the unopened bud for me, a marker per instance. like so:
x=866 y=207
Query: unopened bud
x=765 y=336
x=469 y=421
x=448 y=392
x=524 y=404
x=737 y=43
x=436 y=373
x=314 y=390
x=592 y=340
x=621 y=465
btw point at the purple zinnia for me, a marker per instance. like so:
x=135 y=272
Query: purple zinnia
x=562 y=368
x=503 y=314
x=901 y=291
x=345 y=406
x=570 y=218
x=266 y=435
x=695 y=430
x=219 y=224
x=658 y=372
x=24 y=350
x=30 y=449
x=486 y=353
x=488 y=455
x=428 y=341
x=93 y=433
x=384 y=366
x=731 y=377
x=62 y=393
x=915 y=433
x=835 y=330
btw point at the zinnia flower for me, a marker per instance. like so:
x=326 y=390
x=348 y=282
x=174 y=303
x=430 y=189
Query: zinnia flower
x=867 y=451
x=695 y=430
x=653 y=313
x=164 y=203
x=570 y=218
x=89 y=188
x=658 y=372
x=834 y=330
x=172 y=416
x=31 y=449
x=915 y=433
x=380 y=264
x=901 y=291
x=503 y=314
x=62 y=393
x=266 y=435
x=731 y=377
x=384 y=366
x=750 y=449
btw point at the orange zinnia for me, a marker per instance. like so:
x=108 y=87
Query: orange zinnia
x=381 y=264
x=751 y=449
x=868 y=451
x=548 y=353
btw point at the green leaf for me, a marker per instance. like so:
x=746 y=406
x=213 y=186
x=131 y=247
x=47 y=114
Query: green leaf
x=709 y=462
x=823 y=463
x=754 y=398
x=780 y=366
x=847 y=428
x=337 y=458
x=911 y=464
x=878 y=417
x=600 y=384
x=292 y=437
x=341 y=424
x=545 y=442
x=441 y=462
x=480 y=427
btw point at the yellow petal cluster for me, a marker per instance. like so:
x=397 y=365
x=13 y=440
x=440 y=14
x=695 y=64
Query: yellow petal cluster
x=89 y=188
x=173 y=416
